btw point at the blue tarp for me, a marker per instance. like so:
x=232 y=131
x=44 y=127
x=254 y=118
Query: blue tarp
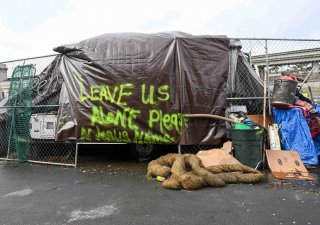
x=316 y=142
x=317 y=107
x=295 y=134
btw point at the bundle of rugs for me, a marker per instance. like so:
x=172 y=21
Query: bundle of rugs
x=187 y=172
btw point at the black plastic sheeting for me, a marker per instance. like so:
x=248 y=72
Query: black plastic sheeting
x=47 y=85
x=243 y=82
x=135 y=88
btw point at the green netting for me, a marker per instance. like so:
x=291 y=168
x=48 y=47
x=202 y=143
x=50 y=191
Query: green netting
x=19 y=112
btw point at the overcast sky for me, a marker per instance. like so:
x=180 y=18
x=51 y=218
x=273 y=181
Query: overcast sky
x=33 y=27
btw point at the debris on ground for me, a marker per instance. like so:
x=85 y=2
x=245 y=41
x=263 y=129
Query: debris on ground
x=187 y=172
x=287 y=165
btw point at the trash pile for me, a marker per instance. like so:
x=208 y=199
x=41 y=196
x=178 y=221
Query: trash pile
x=298 y=119
x=292 y=136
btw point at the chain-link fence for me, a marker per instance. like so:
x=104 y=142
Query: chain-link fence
x=193 y=149
x=255 y=61
x=269 y=58
x=39 y=118
x=251 y=62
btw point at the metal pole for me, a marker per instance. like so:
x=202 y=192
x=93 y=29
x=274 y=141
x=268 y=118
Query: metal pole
x=40 y=162
x=311 y=95
x=76 y=156
x=264 y=98
x=37 y=57
x=306 y=78
x=268 y=78
x=265 y=84
x=273 y=39
x=51 y=163
x=244 y=98
x=179 y=149
x=36 y=106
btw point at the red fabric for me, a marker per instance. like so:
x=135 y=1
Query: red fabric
x=286 y=77
x=303 y=104
x=314 y=134
x=314 y=125
x=305 y=111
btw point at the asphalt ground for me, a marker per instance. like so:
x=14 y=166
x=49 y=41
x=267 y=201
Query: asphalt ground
x=111 y=188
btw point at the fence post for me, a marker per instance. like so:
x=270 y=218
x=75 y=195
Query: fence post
x=76 y=155
x=268 y=78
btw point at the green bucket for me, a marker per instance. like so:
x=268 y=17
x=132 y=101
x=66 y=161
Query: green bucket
x=248 y=146
x=242 y=126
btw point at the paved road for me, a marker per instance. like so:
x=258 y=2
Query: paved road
x=117 y=192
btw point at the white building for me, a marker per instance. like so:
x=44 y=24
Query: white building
x=4 y=88
x=4 y=83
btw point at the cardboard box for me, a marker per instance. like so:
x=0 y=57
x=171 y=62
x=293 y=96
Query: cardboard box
x=287 y=165
x=215 y=157
x=258 y=119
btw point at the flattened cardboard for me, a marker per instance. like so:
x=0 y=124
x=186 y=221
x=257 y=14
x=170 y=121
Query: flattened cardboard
x=287 y=165
x=227 y=146
x=215 y=157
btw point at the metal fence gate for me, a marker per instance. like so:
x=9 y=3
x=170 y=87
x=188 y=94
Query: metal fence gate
x=41 y=144
x=267 y=58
